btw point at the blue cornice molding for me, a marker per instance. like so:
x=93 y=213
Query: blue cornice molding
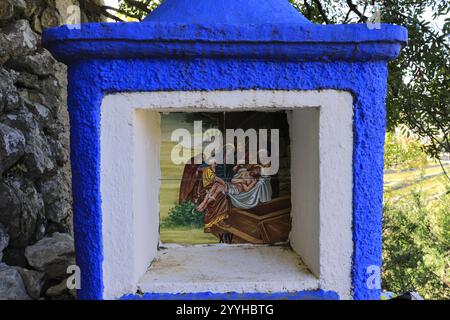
x=296 y=42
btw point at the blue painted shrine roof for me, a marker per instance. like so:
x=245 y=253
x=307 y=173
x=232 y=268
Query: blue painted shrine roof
x=226 y=12
x=268 y=29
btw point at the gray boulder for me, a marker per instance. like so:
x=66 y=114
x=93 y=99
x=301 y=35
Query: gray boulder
x=27 y=80
x=40 y=64
x=12 y=146
x=41 y=112
x=54 y=191
x=50 y=18
x=52 y=255
x=52 y=188
x=50 y=87
x=45 y=109
x=60 y=150
x=6 y=10
x=21 y=208
x=15 y=257
x=38 y=157
x=10 y=98
x=4 y=50
x=57 y=211
x=33 y=280
x=4 y=241
x=11 y=8
x=11 y=284
x=32 y=97
x=58 y=290
x=20 y=39
x=4 y=238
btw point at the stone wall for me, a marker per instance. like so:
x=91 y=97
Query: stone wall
x=36 y=243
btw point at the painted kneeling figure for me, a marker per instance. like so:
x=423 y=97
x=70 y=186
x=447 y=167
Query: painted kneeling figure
x=212 y=183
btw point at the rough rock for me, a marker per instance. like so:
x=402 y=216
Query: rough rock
x=6 y=10
x=34 y=281
x=64 y=226
x=52 y=255
x=58 y=290
x=20 y=39
x=42 y=107
x=21 y=207
x=27 y=80
x=15 y=257
x=12 y=147
x=11 y=8
x=34 y=7
x=40 y=64
x=50 y=18
x=10 y=98
x=11 y=284
x=54 y=191
x=50 y=87
x=53 y=187
x=38 y=157
x=4 y=52
x=4 y=239
x=60 y=151
x=57 y=211
x=41 y=112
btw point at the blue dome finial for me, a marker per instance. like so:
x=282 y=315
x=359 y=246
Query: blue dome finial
x=226 y=12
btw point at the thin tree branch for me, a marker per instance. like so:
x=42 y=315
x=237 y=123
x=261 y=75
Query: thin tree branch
x=308 y=9
x=322 y=11
x=347 y=16
x=354 y=8
x=93 y=7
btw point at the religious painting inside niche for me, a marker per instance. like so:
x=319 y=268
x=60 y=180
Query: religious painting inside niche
x=225 y=178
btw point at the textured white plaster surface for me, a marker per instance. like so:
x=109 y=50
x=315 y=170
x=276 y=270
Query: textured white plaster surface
x=116 y=186
x=146 y=189
x=321 y=169
x=226 y=268
x=336 y=194
x=305 y=183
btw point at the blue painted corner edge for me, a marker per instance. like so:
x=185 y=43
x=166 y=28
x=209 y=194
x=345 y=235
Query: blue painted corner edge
x=302 y=295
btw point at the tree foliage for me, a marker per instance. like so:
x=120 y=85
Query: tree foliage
x=403 y=152
x=416 y=246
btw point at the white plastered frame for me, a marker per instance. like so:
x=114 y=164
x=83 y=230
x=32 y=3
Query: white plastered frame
x=321 y=125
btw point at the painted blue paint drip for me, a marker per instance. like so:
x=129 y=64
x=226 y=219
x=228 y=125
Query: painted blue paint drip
x=243 y=55
x=302 y=295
